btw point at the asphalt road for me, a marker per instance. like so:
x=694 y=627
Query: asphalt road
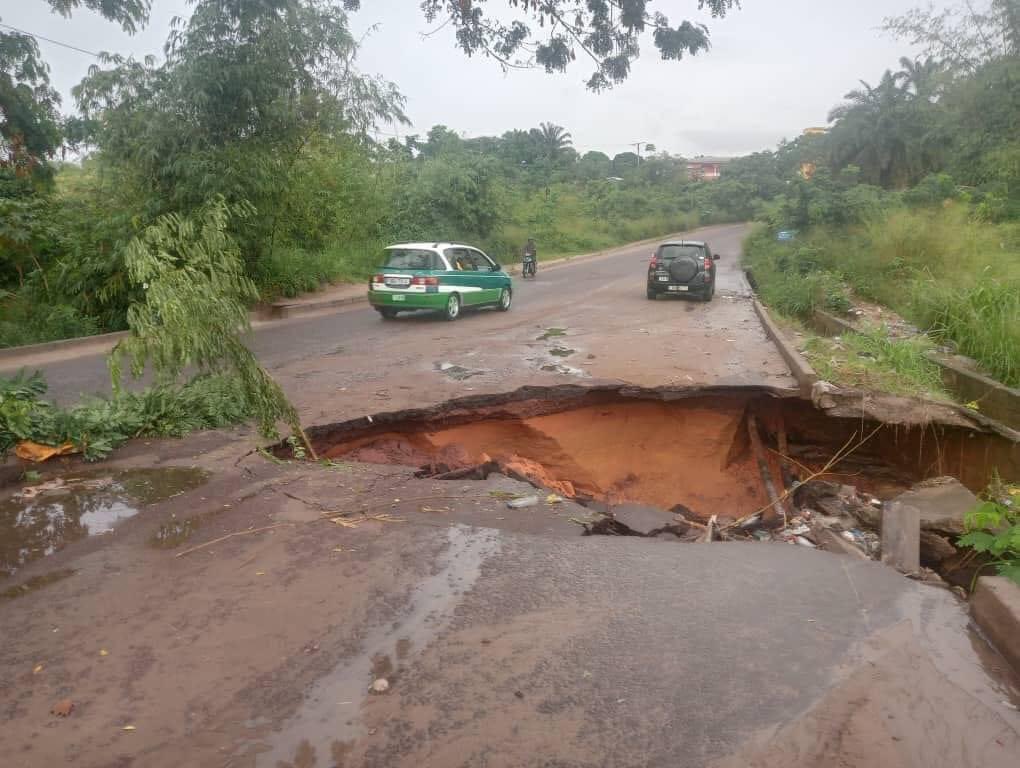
x=612 y=330
x=507 y=638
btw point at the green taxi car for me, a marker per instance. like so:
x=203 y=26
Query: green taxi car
x=446 y=277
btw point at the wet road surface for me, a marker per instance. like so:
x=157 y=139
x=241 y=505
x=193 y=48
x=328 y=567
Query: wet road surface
x=351 y=361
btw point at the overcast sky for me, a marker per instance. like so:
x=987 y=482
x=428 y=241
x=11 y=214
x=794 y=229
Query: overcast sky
x=775 y=68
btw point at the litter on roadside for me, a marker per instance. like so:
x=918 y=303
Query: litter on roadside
x=524 y=501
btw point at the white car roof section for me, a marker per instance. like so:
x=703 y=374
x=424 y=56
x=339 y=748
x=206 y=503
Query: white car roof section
x=433 y=246
x=683 y=242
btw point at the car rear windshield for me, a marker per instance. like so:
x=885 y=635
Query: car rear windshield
x=670 y=252
x=411 y=258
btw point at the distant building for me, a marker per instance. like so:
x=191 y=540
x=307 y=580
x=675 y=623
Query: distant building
x=807 y=170
x=705 y=168
x=815 y=131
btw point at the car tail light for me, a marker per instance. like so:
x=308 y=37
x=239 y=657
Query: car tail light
x=424 y=281
x=708 y=264
x=378 y=279
x=654 y=262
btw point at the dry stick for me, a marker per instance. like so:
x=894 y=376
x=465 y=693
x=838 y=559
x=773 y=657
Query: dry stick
x=786 y=475
x=766 y=474
x=364 y=510
x=229 y=536
x=841 y=454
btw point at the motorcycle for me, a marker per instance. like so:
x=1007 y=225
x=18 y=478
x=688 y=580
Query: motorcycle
x=530 y=266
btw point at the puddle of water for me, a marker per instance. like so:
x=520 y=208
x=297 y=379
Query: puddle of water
x=90 y=503
x=328 y=719
x=551 y=333
x=959 y=651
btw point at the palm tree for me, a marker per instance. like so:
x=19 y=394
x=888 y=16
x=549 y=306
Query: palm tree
x=875 y=130
x=554 y=139
x=921 y=78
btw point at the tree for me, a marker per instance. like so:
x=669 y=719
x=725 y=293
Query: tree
x=964 y=36
x=555 y=140
x=29 y=123
x=882 y=130
x=244 y=89
x=130 y=14
x=922 y=78
x=625 y=161
x=195 y=309
x=594 y=165
x=607 y=32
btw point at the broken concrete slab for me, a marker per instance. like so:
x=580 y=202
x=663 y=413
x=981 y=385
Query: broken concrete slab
x=995 y=607
x=643 y=520
x=901 y=537
x=943 y=503
x=935 y=549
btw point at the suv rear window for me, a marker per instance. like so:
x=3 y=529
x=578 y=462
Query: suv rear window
x=411 y=258
x=670 y=252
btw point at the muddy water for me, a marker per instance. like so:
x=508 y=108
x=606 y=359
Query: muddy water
x=322 y=729
x=43 y=518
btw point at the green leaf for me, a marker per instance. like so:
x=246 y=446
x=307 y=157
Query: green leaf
x=979 y=541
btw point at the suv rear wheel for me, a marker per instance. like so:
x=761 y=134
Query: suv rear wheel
x=650 y=294
x=387 y=312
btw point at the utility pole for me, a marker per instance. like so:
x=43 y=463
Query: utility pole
x=637 y=146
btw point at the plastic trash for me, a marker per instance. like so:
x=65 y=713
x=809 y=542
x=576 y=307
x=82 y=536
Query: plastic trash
x=524 y=501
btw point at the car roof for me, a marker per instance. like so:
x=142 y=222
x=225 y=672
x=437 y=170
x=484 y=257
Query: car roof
x=433 y=246
x=684 y=242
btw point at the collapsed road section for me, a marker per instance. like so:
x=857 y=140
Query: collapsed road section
x=705 y=464
x=667 y=447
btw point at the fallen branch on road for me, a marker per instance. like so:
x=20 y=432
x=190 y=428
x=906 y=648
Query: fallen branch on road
x=230 y=536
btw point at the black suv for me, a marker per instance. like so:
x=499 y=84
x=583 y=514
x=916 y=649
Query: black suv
x=683 y=267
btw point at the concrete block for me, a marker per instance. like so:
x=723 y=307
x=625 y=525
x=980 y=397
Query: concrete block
x=995 y=606
x=901 y=537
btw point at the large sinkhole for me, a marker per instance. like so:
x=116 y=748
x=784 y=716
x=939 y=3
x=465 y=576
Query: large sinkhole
x=679 y=448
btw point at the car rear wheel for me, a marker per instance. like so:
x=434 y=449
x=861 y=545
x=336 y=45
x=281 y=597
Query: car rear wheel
x=387 y=313
x=709 y=293
x=650 y=294
x=505 y=299
x=452 y=311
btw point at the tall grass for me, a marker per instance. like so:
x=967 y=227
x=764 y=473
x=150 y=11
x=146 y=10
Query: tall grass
x=958 y=279
x=872 y=359
x=982 y=318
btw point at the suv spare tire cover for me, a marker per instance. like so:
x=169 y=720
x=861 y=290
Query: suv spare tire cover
x=683 y=268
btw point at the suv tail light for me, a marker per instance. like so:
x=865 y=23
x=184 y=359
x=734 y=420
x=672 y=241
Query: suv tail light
x=424 y=280
x=708 y=264
x=378 y=279
x=654 y=262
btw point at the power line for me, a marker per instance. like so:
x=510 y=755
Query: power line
x=49 y=40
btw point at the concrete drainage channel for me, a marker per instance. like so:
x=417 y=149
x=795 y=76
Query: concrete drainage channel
x=703 y=464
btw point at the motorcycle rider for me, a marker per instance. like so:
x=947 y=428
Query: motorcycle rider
x=530 y=257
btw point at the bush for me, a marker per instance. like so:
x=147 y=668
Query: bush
x=26 y=320
x=96 y=426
